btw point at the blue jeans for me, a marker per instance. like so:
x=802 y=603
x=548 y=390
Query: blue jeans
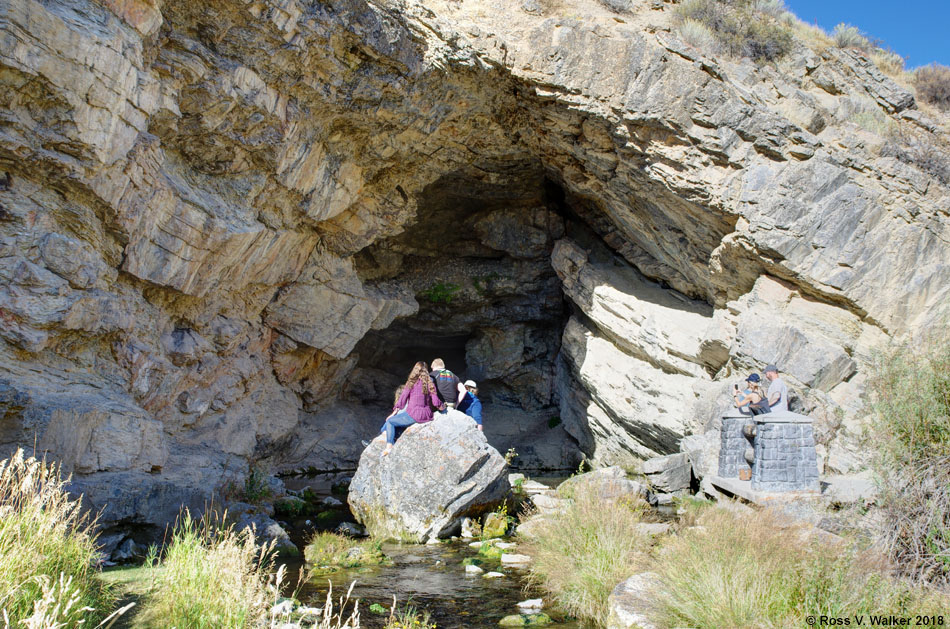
x=399 y=420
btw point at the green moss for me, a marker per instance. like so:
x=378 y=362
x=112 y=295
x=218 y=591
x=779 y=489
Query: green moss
x=525 y=620
x=495 y=524
x=378 y=609
x=290 y=507
x=472 y=561
x=329 y=552
x=490 y=551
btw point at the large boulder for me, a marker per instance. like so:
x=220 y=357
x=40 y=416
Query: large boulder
x=436 y=474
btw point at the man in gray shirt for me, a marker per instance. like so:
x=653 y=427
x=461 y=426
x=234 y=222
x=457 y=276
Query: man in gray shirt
x=778 y=392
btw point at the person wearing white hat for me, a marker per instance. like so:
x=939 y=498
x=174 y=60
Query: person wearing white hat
x=470 y=404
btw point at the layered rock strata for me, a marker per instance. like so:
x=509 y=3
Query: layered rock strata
x=216 y=217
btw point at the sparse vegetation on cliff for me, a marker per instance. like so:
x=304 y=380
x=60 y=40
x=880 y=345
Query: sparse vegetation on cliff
x=933 y=85
x=911 y=401
x=742 y=28
x=47 y=549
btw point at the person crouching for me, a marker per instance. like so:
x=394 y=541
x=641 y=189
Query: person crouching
x=470 y=404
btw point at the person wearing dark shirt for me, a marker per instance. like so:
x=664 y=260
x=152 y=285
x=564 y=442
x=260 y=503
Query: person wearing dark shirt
x=470 y=404
x=448 y=384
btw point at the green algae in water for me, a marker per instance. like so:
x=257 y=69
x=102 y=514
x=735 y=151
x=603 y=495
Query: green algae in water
x=490 y=551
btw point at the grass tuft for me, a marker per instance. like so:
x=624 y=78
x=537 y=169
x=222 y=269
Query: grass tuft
x=582 y=553
x=847 y=36
x=47 y=548
x=756 y=570
x=329 y=552
x=211 y=577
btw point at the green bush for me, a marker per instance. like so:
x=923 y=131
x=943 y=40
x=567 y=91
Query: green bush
x=933 y=85
x=47 y=549
x=910 y=393
x=757 y=570
x=580 y=554
x=742 y=28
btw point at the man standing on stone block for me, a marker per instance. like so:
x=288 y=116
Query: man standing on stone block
x=778 y=392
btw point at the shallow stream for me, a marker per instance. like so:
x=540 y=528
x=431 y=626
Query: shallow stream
x=429 y=577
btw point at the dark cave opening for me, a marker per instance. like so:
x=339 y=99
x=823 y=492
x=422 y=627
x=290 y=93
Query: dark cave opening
x=478 y=261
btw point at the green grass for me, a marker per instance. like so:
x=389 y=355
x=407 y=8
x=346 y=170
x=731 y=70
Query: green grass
x=47 y=549
x=441 y=293
x=582 y=553
x=329 y=552
x=756 y=570
x=210 y=577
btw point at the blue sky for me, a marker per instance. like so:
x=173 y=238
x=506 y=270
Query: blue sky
x=915 y=29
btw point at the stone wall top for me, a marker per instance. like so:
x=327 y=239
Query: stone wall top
x=775 y=417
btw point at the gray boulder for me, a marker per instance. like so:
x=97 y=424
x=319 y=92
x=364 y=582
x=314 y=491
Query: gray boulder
x=437 y=473
x=267 y=530
x=669 y=473
x=609 y=483
x=629 y=601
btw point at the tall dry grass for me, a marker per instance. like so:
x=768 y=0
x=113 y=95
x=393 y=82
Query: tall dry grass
x=756 y=570
x=47 y=549
x=579 y=555
x=211 y=577
x=910 y=396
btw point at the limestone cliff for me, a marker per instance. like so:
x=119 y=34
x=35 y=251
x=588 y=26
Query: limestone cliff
x=227 y=229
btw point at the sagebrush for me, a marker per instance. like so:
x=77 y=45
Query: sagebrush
x=933 y=85
x=742 y=28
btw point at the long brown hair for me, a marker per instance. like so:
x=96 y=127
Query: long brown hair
x=420 y=371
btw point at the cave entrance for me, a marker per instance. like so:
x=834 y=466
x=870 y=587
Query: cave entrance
x=478 y=261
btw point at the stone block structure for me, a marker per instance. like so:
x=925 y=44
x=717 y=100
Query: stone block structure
x=784 y=451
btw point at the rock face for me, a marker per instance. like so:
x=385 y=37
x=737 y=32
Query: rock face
x=228 y=229
x=437 y=474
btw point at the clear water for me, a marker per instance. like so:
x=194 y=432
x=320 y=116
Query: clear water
x=431 y=578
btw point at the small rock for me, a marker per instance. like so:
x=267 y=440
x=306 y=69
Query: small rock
x=284 y=607
x=529 y=527
x=525 y=620
x=505 y=545
x=310 y=611
x=127 y=550
x=549 y=504
x=531 y=603
x=350 y=528
x=653 y=528
x=432 y=541
x=330 y=501
x=492 y=575
x=476 y=544
x=669 y=473
x=532 y=487
x=515 y=560
x=514 y=478
x=473 y=569
x=468 y=528
x=495 y=525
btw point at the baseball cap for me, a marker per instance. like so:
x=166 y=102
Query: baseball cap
x=769 y=368
x=471 y=383
x=754 y=378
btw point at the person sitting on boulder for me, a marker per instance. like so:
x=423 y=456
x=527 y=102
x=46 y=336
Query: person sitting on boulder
x=750 y=399
x=448 y=384
x=414 y=405
x=470 y=404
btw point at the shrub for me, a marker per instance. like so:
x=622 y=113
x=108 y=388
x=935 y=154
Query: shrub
x=441 y=293
x=747 y=28
x=583 y=552
x=47 y=548
x=755 y=570
x=910 y=391
x=211 y=577
x=698 y=35
x=933 y=85
x=888 y=61
x=847 y=36
x=921 y=151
